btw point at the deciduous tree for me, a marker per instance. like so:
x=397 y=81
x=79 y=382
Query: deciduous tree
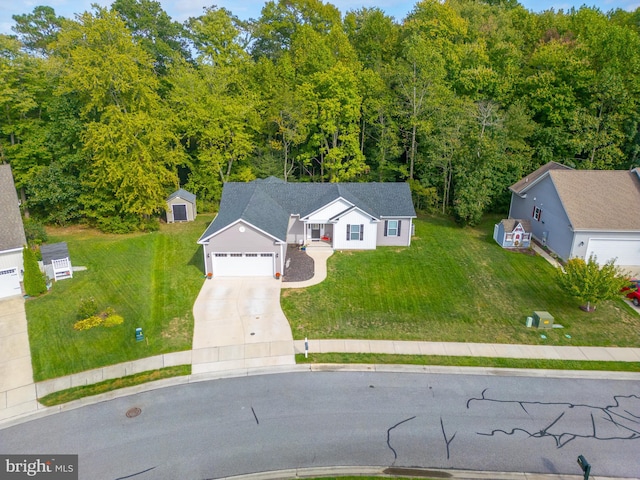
x=591 y=282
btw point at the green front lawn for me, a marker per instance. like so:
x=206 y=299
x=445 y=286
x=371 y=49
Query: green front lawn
x=453 y=284
x=151 y=279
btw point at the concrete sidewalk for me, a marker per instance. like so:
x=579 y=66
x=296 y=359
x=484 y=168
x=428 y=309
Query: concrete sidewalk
x=491 y=350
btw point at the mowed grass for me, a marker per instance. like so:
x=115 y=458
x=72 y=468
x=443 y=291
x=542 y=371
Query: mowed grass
x=447 y=361
x=453 y=284
x=151 y=279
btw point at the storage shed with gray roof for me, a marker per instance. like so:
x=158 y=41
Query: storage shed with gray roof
x=181 y=206
x=258 y=219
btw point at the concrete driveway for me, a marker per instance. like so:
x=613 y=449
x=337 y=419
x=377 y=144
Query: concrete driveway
x=239 y=324
x=17 y=390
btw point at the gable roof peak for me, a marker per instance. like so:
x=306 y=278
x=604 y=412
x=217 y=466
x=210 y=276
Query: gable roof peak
x=528 y=180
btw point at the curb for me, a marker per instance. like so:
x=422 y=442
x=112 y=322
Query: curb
x=391 y=472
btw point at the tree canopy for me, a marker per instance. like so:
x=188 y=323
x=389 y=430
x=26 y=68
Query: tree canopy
x=103 y=115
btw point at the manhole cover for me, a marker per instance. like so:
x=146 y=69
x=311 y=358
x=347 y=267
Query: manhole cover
x=133 y=412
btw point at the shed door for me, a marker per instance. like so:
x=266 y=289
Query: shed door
x=179 y=213
x=9 y=282
x=243 y=264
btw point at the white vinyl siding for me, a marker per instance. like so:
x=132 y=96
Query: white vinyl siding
x=365 y=232
x=324 y=214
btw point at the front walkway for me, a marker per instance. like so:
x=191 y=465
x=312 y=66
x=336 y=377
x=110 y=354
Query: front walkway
x=319 y=253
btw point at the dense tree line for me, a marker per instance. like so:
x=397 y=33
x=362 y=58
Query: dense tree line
x=103 y=115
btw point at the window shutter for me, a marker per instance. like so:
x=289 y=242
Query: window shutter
x=539 y=215
x=533 y=213
x=348 y=232
x=386 y=226
x=399 y=223
x=361 y=232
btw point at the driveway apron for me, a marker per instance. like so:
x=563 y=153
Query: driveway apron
x=239 y=324
x=17 y=390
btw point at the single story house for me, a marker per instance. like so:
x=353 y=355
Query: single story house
x=513 y=233
x=56 y=261
x=12 y=237
x=257 y=220
x=579 y=213
x=181 y=206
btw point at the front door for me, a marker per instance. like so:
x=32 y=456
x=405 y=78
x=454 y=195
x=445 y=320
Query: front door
x=315 y=231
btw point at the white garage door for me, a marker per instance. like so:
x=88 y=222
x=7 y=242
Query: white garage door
x=9 y=282
x=243 y=264
x=627 y=252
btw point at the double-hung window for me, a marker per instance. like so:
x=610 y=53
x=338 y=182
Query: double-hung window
x=537 y=213
x=392 y=228
x=355 y=232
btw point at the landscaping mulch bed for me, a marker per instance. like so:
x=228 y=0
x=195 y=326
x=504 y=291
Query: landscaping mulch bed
x=298 y=266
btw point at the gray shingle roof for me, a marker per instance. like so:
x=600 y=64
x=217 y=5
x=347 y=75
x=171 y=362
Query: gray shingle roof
x=182 y=193
x=11 y=230
x=54 y=251
x=268 y=204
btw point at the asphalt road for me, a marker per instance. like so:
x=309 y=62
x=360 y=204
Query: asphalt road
x=242 y=425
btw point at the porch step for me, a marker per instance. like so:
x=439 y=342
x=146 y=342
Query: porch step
x=319 y=246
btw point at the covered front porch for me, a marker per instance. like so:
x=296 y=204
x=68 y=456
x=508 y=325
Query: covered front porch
x=319 y=233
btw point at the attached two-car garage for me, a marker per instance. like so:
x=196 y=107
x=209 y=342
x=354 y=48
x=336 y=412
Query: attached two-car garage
x=625 y=251
x=248 y=264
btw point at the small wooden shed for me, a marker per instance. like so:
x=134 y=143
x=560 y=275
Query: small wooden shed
x=513 y=233
x=181 y=206
x=56 y=261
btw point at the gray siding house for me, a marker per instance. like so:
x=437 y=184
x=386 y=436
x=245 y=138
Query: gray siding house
x=258 y=219
x=579 y=213
x=12 y=237
x=181 y=206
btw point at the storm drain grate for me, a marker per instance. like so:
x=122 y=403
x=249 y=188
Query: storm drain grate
x=133 y=412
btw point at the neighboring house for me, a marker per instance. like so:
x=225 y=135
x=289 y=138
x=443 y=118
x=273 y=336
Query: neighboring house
x=579 y=213
x=12 y=237
x=56 y=261
x=258 y=219
x=513 y=233
x=181 y=206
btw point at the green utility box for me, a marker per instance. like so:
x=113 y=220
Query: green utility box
x=542 y=320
